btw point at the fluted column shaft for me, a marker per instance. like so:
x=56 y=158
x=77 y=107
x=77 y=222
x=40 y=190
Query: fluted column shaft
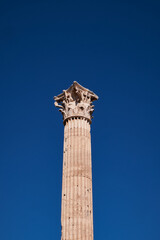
x=77 y=210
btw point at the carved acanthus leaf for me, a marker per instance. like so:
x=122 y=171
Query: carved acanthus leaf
x=76 y=101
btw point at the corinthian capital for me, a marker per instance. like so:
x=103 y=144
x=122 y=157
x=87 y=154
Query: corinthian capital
x=76 y=101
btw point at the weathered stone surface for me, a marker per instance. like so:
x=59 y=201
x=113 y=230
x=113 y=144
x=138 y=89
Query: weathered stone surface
x=77 y=208
x=76 y=101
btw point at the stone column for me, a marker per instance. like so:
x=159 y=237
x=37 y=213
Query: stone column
x=76 y=106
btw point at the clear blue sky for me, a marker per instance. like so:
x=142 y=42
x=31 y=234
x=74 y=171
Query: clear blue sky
x=111 y=47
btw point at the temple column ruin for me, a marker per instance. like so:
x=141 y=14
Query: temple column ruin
x=75 y=104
